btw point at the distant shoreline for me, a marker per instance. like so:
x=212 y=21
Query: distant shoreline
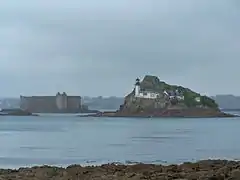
x=230 y=110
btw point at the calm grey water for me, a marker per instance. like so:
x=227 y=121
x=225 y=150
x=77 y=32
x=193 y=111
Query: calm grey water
x=64 y=140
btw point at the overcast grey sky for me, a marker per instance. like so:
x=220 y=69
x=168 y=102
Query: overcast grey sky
x=92 y=47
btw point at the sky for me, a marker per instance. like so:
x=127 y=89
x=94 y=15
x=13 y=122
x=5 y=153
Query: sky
x=92 y=47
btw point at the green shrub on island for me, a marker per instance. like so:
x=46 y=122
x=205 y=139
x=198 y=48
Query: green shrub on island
x=154 y=84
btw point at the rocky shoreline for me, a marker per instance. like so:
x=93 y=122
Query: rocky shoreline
x=202 y=170
x=15 y=112
x=171 y=113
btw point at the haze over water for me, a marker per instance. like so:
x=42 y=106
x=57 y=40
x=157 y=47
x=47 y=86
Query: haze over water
x=63 y=140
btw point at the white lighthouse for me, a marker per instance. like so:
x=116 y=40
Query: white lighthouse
x=143 y=93
x=137 y=87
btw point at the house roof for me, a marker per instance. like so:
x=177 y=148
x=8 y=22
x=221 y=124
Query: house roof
x=148 y=90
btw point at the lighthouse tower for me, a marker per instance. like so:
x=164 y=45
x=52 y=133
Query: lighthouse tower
x=137 y=87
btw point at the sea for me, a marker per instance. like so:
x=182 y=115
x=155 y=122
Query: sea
x=62 y=140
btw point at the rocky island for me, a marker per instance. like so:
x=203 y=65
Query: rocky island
x=154 y=98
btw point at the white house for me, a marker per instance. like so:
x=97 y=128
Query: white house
x=154 y=95
x=148 y=95
x=197 y=99
x=174 y=95
x=180 y=98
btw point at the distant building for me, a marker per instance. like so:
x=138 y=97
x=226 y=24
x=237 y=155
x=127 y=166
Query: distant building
x=51 y=104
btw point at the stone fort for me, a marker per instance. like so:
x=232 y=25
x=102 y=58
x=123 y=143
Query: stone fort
x=51 y=104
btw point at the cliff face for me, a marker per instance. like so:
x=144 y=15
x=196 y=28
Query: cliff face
x=133 y=104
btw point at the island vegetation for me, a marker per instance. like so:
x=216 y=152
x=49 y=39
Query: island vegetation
x=154 y=84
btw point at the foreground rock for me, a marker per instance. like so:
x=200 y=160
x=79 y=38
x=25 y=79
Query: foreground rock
x=203 y=170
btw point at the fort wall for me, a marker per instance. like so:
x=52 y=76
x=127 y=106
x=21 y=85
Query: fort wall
x=51 y=104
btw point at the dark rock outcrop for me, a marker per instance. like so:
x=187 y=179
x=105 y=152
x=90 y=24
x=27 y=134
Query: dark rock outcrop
x=15 y=112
